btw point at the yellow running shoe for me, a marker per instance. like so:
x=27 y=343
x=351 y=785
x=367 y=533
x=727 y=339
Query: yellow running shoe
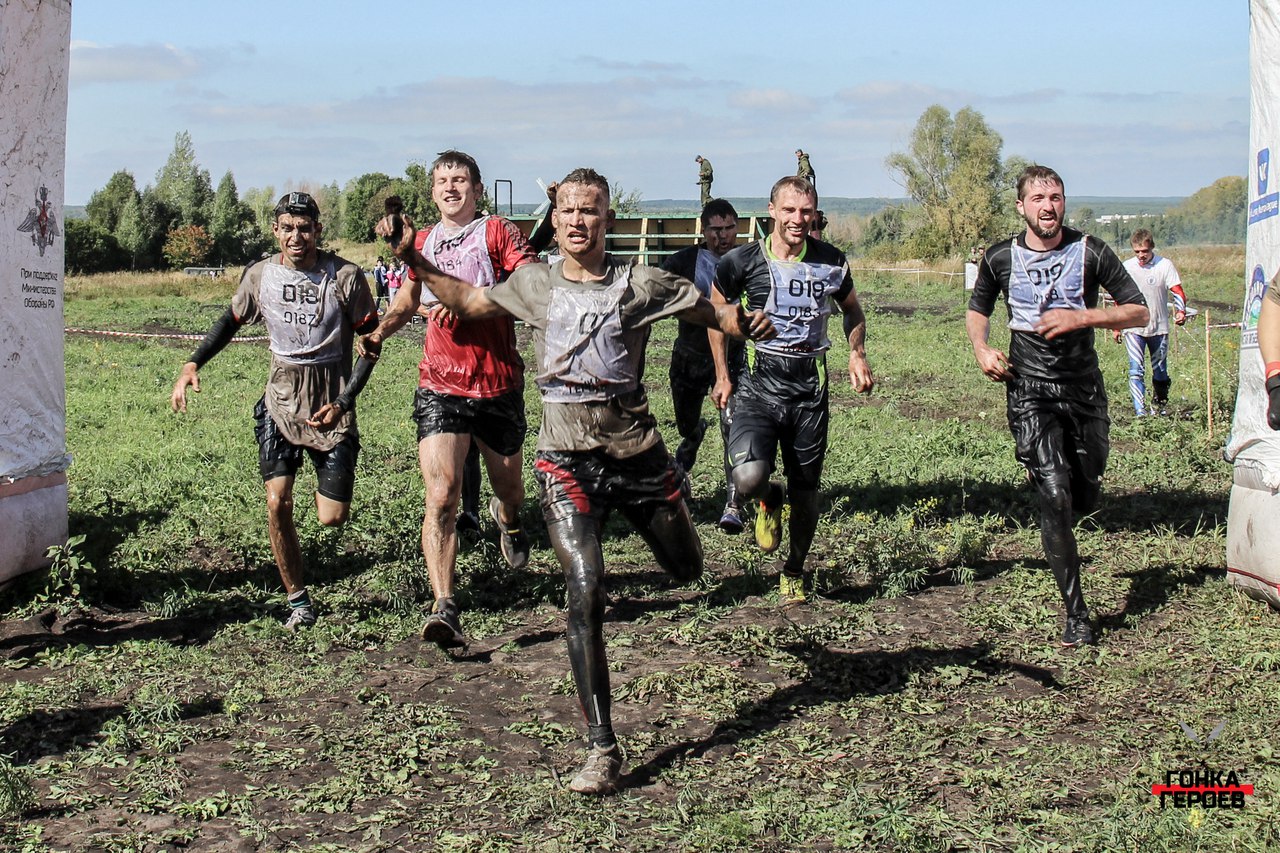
x=791 y=589
x=768 y=527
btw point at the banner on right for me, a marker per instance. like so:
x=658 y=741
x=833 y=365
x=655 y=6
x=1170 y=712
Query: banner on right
x=1253 y=523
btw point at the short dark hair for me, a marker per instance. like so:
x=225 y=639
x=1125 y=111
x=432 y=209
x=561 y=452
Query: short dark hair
x=717 y=207
x=1038 y=174
x=800 y=185
x=590 y=177
x=299 y=204
x=820 y=221
x=1142 y=237
x=453 y=157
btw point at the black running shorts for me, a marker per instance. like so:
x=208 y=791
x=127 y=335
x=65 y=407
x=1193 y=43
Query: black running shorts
x=279 y=457
x=1060 y=429
x=497 y=421
x=763 y=421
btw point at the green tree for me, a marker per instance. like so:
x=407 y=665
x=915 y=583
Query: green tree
x=187 y=246
x=1212 y=214
x=262 y=201
x=364 y=205
x=624 y=202
x=106 y=204
x=183 y=186
x=953 y=170
x=233 y=226
x=144 y=224
x=91 y=248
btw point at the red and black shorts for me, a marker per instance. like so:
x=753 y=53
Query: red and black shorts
x=590 y=482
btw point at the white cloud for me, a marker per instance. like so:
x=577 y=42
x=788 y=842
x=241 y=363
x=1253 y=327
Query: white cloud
x=94 y=63
x=772 y=100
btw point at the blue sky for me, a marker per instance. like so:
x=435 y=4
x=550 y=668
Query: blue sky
x=1122 y=98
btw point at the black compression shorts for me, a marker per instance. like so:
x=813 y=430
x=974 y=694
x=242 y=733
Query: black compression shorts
x=497 y=421
x=279 y=457
x=1060 y=429
x=761 y=421
x=590 y=482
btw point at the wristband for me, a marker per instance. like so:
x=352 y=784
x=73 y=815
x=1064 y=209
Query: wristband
x=1272 y=368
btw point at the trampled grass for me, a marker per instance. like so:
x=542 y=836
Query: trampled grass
x=919 y=703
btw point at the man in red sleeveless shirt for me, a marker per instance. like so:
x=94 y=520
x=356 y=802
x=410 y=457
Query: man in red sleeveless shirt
x=470 y=382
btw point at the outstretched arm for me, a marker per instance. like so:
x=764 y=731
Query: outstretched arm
x=218 y=337
x=467 y=302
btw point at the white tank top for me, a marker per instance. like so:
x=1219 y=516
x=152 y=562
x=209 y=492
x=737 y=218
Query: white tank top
x=302 y=312
x=584 y=354
x=1043 y=281
x=799 y=305
x=463 y=255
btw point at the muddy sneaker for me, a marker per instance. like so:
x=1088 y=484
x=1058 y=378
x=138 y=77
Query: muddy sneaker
x=599 y=776
x=769 y=525
x=1078 y=632
x=791 y=589
x=731 y=520
x=513 y=541
x=444 y=629
x=299 y=618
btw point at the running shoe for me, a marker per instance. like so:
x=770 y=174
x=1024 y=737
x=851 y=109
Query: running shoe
x=299 y=618
x=513 y=541
x=731 y=520
x=444 y=629
x=1079 y=632
x=599 y=776
x=791 y=589
x=769 y=526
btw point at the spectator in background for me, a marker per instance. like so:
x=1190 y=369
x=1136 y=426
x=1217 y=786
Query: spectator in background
x=1157 y=278
x=804 y=169
x=380 y=281
x=705 y=177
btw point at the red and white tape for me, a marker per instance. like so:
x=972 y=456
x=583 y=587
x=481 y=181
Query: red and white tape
x=109 y=334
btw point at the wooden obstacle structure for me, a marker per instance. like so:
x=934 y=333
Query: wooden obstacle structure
x=653 y=238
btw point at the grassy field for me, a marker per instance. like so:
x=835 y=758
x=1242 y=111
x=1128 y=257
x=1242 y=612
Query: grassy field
x=150 y=699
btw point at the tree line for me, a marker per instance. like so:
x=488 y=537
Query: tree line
x=960 y=185
x=181 y=221
x=962 y=196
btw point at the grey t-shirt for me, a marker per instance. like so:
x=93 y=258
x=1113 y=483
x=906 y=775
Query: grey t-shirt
x=598 y=360
x=311 y=317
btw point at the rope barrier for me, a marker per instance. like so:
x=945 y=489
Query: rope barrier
x=173 y=337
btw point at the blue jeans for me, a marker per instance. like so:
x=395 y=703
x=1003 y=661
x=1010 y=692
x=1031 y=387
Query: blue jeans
x=1137 y=346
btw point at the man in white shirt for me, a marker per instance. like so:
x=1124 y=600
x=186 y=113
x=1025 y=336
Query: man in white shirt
x=1157 y=278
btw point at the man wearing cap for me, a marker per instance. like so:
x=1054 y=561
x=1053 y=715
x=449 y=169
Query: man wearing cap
x=470 y=383
x=313 y=303
x=803 y=169
x=705 y=177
